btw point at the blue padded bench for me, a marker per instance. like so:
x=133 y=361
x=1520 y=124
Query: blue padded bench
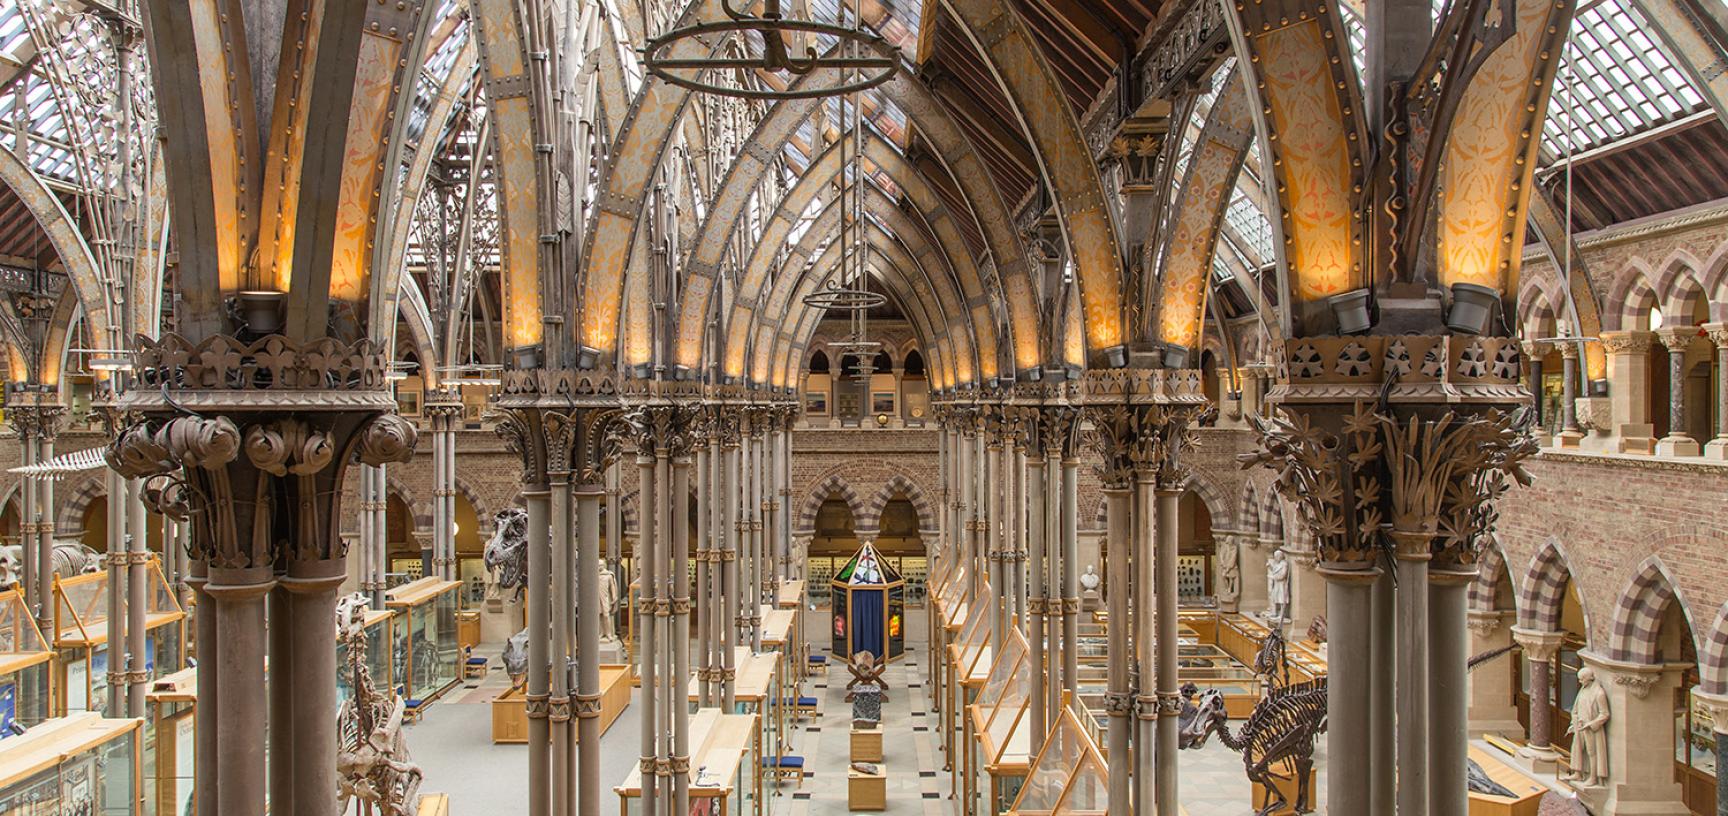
x=790 y=766
x=818 y=663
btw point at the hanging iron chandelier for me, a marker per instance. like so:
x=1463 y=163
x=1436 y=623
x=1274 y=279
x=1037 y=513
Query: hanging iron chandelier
x=862 y=60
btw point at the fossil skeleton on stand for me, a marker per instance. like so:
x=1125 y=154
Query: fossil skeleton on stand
x=372 y=762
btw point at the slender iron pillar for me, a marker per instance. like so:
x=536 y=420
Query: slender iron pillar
x=558 y=704
x=1070 y=566
x=535 y=697
x=648 y=648
x=1413 y=666
x=1119 y=704
x=137 y=589
x=588 y=558
x=1169 y=701
x=1040 y=597
x=680 y=590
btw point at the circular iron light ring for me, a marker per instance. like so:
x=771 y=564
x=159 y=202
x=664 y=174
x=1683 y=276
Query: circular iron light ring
x=848 y=300
x=885 y=64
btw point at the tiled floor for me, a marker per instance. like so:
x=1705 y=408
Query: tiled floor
x=453 y=744
x=909 y=751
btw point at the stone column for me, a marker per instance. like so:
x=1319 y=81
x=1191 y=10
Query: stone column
x=1351 y=663
x=1640 y=738
x=311 y=590
x=1036 y=503
x=991 y=527
x=48 y=427
x=27 y=519
x=137 y=590
x=1119 y=700
x=589 y=496
x=1570 y=434
x=1412 y=653
x=1628 y=371
x=1070 y=564
x=1168 y=700
x=1539 y=649
x=647 y=626
x=1533 y=367
x=537 y=693
x=678 y=573
x=704 y=578
x=563 y=613
x=1718 y=447
x=730 y=622
x=115 y=561
x=241 y=702
x=1145 y=634
x=1491 y=708
x=1448 y=691
x=1307 y=588
x=1677 y=339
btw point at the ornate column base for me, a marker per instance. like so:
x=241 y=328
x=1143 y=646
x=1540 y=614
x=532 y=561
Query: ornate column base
x=1677 y=445
x=1717 y=449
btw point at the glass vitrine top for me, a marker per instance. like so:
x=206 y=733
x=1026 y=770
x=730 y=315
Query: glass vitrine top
x=81 y=605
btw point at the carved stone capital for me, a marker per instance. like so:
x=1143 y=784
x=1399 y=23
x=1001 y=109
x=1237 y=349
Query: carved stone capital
x=1484 y=623
x=1537 y=645
x=1627 y=342
x=1677 y=338
x=1718 y=334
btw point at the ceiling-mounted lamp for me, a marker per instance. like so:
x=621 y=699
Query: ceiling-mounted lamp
x=1473 y=306
x=1175 y=356
x=1351 y=310
x=863 y=59
x=260 y=310
x=1116 y=356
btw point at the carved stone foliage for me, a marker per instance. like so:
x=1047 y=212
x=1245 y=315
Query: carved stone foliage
x=579 y=441
x=35 y=421
x=1396 y=467
x=226 y=477
x=661 y=429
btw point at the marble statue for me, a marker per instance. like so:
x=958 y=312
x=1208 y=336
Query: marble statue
x=1229 y=561
x=608 y=605
x=1089 y=583
x=1277 y=587
x=1589 y=732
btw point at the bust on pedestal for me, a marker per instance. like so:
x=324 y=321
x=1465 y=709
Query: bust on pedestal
x=1089 y=582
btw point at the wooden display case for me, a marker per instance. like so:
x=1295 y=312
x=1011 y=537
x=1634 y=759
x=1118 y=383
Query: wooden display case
x=510 y=712
x=26 y=666
x=81 y=636
x=721 y=745
x=79 y=764
x=1527 y=798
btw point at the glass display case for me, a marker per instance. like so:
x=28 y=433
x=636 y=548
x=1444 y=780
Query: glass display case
x=425 y=651
x=26 y=667
x=379 y=625
x=998 y=740
x=170 y=704
x=722 y=783
x=758 y=690
x=1069 y=776
x=81 y=636
x=81 y=765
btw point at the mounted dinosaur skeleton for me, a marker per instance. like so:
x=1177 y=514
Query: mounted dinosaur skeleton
x=372 y=761
x=1282 y=729
x=70 y=558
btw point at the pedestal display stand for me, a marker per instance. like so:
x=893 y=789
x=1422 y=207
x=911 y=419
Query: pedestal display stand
x=866 y=743
x=866 y=789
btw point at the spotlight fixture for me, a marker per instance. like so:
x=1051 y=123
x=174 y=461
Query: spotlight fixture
x=1473 y=307
x=1351 y=309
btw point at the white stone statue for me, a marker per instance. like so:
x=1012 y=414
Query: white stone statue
x=608 y=605
x=1089 y=582
x=1589 y=730
x=1277 y=587
x=1229 y=561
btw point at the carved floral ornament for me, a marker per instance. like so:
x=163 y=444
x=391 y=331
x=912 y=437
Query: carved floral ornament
x=1395 y=468
x=273 y=362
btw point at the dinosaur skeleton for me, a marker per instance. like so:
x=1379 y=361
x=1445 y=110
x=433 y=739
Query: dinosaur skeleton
x=507 y=552
x=1280 y=732
x=372 y=760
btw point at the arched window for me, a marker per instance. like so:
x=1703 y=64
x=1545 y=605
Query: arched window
x=819 y=362
x=849 y=366
x=883 y=363
x=914 y=366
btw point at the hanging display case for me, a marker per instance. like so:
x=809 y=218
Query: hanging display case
x=869 y=607
x=26 y=667
x=81 y=618
x=171 y=704
x=1069 y=776
x=425 y=652
x=81 y=765
x=723 y=751
x=379 y=625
